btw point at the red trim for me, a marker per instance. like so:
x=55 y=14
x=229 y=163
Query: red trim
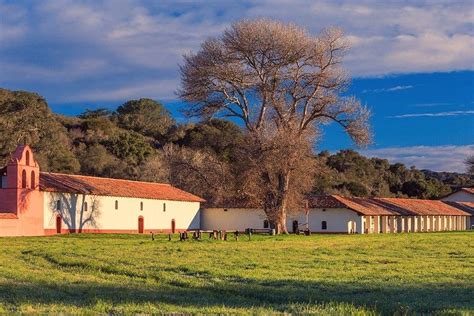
x=112 y=231
x=8 y=216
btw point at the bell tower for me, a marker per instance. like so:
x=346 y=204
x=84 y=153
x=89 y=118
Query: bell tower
x=20 y=197
x=23 y=170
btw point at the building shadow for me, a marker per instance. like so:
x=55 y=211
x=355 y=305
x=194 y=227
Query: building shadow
x=276 y=295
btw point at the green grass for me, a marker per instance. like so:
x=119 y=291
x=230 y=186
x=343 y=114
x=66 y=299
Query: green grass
x=320 y=274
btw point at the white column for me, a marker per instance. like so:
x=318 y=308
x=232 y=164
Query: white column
x=393 y=224
x=361 y=224
x=376 y=224
x=407 y=224
x=414 y=227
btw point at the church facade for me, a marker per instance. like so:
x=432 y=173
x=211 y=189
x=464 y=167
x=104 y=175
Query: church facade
x=34 y=203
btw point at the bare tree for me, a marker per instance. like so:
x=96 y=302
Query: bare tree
x=283 y=83
x=199 y=172
x=470 y=164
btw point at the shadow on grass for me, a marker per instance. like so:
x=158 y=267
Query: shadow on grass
x=279 y=296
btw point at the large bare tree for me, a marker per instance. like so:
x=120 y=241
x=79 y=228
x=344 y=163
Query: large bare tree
x=282 y=83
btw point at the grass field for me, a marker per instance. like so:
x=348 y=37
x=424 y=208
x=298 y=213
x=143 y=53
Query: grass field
x=321 y=274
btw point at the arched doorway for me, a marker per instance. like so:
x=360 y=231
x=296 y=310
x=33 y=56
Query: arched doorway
x=173 y=226
x=59 y=222
x=295 y=227
x=141 y=225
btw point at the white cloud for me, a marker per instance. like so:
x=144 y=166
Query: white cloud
x=427 y=105
x=395 y=88
x=139 y=42
x=159 y=89
x=436 y=114
x=436 y=158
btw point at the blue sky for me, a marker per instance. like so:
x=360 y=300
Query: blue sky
x=411 y=61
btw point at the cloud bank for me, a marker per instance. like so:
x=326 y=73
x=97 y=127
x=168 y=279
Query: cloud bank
x=436 y=158
x=110 y=50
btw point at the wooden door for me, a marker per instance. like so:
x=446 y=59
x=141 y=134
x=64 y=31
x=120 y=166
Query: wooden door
x=58 y=224
x=295 y=226
x=173 y=226
x=141 y=225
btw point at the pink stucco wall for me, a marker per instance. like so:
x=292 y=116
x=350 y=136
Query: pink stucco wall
x=22 y=197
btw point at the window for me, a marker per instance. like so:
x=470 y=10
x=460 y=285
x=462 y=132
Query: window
x=23 y=179
x=141 y=206
x=164 y=207
x=85 y=207
x=225 y=210
x=265 y=224
x=58 y=205
x=116 y=204
x=324 y=225
x=324 y=210
x=33 y=180
x=27 y=158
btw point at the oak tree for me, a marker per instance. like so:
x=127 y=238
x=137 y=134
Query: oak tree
x=282 y=83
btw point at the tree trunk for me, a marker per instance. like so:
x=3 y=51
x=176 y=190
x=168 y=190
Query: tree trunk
x=275 y=205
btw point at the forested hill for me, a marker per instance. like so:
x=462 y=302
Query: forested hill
x=140 y=140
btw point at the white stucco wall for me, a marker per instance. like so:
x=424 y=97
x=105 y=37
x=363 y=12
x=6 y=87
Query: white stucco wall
x=231 y=219
x=337 y=220
x=106 y=217
x=241 y=219
x=459 y=196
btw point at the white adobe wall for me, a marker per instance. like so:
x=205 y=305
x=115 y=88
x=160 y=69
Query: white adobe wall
x=102 y=209
x=337 y=220
x=232 y=219
x=241 y=219
x=459 y=196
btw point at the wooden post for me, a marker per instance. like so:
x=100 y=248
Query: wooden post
x=169 y=237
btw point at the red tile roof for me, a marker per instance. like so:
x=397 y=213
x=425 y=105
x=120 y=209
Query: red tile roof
x=359 y=205
x=386 y=206
x=423 y=207
x=468 y=190
x=65 y=183
x=8 y=216
x=463 y=206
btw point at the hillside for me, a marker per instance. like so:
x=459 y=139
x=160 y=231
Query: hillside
x=140 y=140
